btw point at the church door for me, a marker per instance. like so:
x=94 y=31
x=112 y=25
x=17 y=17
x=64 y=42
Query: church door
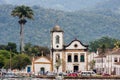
x=76 y=68
x=42 y=70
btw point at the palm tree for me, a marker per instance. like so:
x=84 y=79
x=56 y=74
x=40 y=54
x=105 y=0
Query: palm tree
x=22 y=12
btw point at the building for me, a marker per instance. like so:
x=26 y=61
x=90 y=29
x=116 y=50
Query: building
x=91 y=60
x=109 y=63
x=73 y=56
x=41 y=65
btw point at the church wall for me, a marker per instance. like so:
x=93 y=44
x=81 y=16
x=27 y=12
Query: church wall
x=70 y=65
x=76 y=45
x=37 y=67
x=54 y=61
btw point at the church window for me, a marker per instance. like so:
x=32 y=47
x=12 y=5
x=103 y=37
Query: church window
x=75 y=58
x=57 y=46
x=69 y=58
x=115 y=60
x=57 y=39
x=82 y=58
x=57 y=57
x=75 y=45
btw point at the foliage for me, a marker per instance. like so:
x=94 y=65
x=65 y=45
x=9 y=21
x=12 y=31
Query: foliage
x=5 y=54
x=35 y=50
x=85 y=25
x=4 y=57
x=20 y=61
x=104 y=42
x=58 y=63
x=1 y=61
x=117 y=45
x=9 y=52
x=22 y=12
x=9 y=47
x=92 y=64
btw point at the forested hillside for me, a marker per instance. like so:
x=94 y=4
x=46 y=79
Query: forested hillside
x=83 y=25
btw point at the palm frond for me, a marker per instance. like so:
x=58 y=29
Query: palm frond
x=23 y=12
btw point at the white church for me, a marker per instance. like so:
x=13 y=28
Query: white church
x=73 y=56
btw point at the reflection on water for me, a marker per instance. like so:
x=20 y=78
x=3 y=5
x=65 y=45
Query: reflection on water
x=49 y=79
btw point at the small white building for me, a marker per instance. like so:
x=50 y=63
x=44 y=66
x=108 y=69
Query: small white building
x=41 y=65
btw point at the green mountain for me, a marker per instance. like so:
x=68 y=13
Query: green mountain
x=67 y=5
x=83 y=25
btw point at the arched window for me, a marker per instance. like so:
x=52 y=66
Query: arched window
x=115 y=59
x=82 y=58
x=69 y=58
x=75 y=58
x=57 y=39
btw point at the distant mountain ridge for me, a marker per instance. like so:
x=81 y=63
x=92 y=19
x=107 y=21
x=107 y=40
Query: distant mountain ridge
x=83 y=25
x=2 y=2
x=66 y=5
x=109 y=5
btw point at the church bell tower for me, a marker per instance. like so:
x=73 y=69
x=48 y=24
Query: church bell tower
x=56 y=45
x=57 y=38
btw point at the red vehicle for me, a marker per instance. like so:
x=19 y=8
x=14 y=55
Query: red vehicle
x=105 y=74
x=72 y=74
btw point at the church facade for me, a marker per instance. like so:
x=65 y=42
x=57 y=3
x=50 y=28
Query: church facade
x=63 y=58
x=73 y=56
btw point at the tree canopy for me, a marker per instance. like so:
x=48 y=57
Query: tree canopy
x=23 y=12
x=104 y=42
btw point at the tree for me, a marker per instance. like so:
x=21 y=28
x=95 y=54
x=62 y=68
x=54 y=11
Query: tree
x=1 y=61
x=58 y=64
x=35 y=50
x=92 y=64
x=20 y=61
x=117 y=45
x=5 y=58
x=104 y=42
x=11 y=47
x=22 y=12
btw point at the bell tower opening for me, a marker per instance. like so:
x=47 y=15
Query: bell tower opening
x=57 y=39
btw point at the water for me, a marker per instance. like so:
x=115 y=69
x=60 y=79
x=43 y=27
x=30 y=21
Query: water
x=50 y=79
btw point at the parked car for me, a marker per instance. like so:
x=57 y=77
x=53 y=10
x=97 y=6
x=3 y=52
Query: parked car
x=74 y=74
x=87 y=73
x=50 y=74
x=105 y=74
x=63 y=74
